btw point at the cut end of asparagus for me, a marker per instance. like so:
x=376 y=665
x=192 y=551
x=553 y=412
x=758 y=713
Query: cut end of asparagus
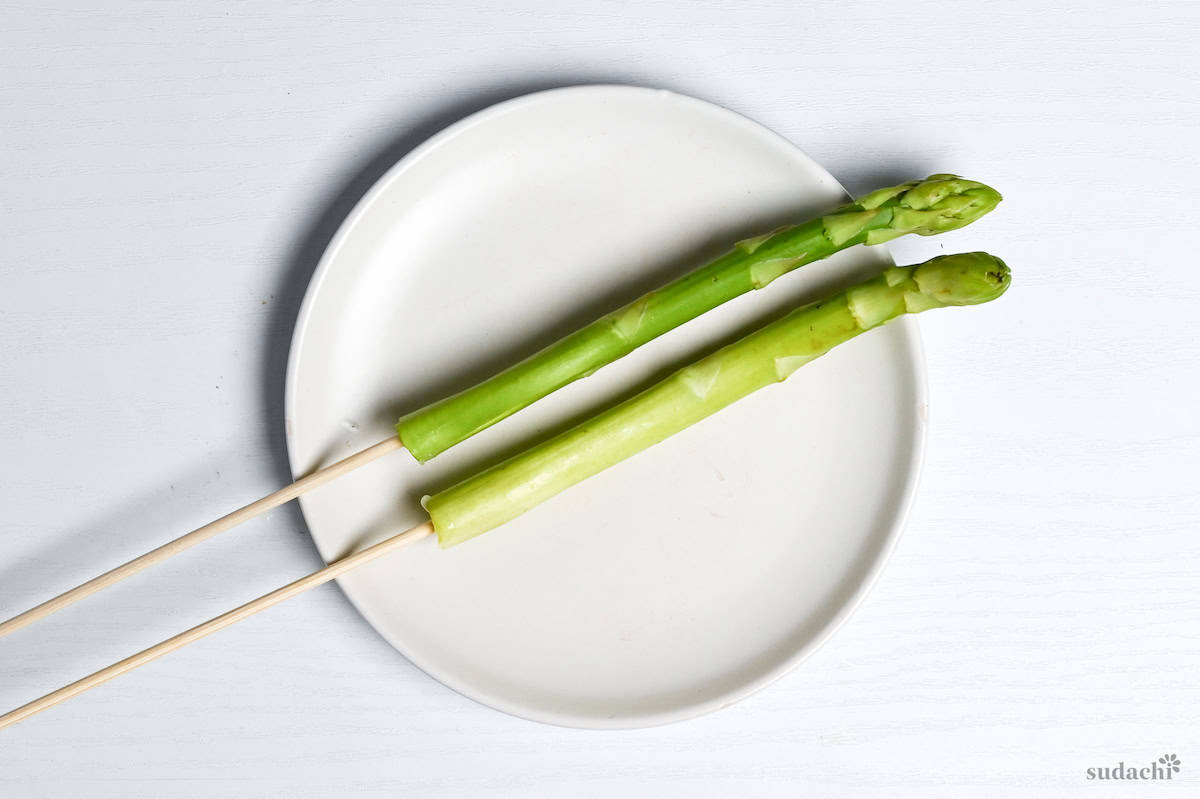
x=963 y=279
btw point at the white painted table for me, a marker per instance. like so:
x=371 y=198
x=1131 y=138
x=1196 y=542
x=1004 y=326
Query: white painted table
x=168 y=178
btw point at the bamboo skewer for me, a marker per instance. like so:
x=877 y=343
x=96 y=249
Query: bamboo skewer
x=503 y=492
x=280 y=497
x=319 y=577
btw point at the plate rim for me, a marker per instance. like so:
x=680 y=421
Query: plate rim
x=914 y=467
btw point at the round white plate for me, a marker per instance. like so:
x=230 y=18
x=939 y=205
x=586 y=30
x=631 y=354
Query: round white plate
x=693 y=573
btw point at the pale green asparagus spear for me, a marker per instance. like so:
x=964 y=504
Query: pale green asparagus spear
x=766 y=356
x=924 y=207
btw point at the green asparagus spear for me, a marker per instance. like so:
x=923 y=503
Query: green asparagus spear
x=766 y=356
x=924 y=207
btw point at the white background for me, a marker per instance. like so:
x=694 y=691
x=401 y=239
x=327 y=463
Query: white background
x=169 y=175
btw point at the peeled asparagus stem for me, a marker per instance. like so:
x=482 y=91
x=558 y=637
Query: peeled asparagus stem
x=766 y=356
x=507 y=490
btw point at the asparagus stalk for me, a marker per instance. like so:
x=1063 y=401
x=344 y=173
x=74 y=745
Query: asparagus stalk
x=924 y=207
x=766 y=356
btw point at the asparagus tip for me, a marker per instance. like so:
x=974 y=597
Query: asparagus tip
x=963 y=278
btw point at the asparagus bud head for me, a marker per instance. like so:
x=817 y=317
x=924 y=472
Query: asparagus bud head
x=962 y=279
x=925 y=207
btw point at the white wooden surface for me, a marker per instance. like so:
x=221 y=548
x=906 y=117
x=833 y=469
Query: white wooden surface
x=169 y=174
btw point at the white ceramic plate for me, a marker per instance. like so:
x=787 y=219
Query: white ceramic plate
x=682 y=579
